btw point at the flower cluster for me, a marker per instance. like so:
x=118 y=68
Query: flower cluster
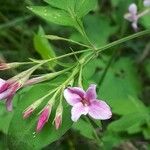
x=82 y=102
x=133 y=15
x=46 y=112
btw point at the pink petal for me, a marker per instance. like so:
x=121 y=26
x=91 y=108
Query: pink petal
x=9 y=103
x=78 y=110
x=91 y=92
x=99 y=110
x=5 y=94
x=2 y=82
x=58 y=121
x=3 y=85
x=133 y=9
x=43 y=118
x=73 y=95
x=28 y=112
x=134 y=26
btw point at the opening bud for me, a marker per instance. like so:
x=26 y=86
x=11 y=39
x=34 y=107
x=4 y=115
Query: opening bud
x=58 y=117
x=44 y=116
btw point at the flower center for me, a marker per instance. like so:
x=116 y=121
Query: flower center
x=85 y=102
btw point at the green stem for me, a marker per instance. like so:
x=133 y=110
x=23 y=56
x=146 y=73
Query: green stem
x=54 y=37
x=125 y=39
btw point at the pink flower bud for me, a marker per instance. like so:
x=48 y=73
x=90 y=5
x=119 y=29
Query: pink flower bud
x=34 y=81
x=58 y=121
x=44 y=117
x=3 y=66
x=27 y=113
x=58 y=116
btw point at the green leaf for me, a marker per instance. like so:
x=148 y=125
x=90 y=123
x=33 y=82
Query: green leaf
x=5 y=118
x=111 y=140
x=145 y=21
x=84 y=128
x=147 y=67
x=82 y=7
x=42 y=46
x=63 y=4
x=121 y=85
x=128 y=121
x=79 y=8
x=98 y=29
x=21 y=131
x=146 y=133
x=65 y=12
x=54 y=15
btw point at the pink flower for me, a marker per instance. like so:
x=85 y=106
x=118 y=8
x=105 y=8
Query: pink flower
x=146 y=3
x=44 y=117
x=7 y=91
x=132 y=16
x=86 y=103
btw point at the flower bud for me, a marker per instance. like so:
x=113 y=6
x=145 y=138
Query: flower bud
x=58 y=117
x=44 y=116
x=5 y=66
x=27 y=113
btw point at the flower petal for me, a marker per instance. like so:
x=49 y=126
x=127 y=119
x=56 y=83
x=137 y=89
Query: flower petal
x=43 y=119
x=2 y=82
x=99 y=110
x=3 y=85
x=91 y=92
x=5 y=94
x=133 y=9
x=73 y=95
x=78 y=110
x=9 y=103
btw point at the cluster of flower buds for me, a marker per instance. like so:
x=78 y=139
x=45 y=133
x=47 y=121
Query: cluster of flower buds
x=45 y=113
x=8 y=88
x=133 y=15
